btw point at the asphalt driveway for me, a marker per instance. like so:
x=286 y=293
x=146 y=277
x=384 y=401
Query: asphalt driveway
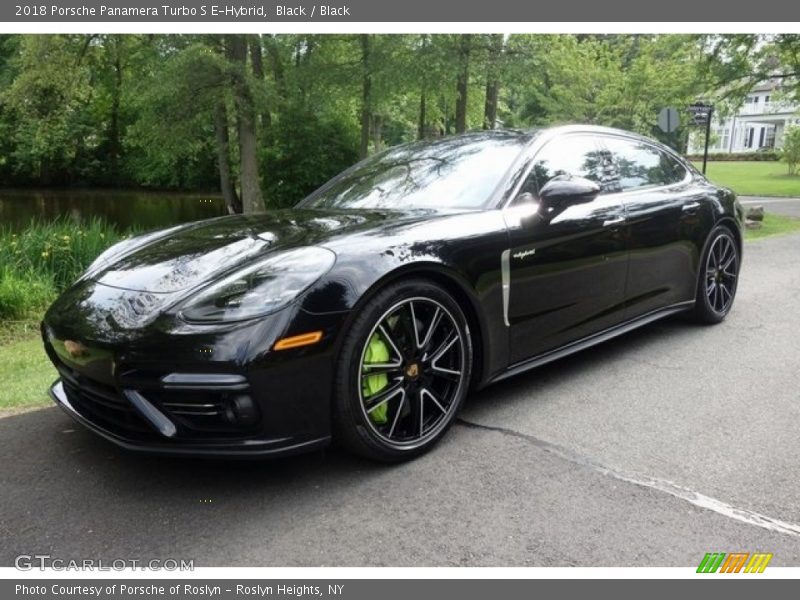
x=652 y=449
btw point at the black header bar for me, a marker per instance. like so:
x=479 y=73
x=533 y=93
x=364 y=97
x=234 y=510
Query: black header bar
x=355 y=11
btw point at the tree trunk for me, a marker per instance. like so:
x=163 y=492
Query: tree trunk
x=492 y=82
x=462 y=85
x=377 y=133
x=252 y=197
x=226 y=185
x=366 y=96
x=114 y=146
x=422 y=123
x=276 y=64
x=423 y=118
x=490 y=108
x=257 y=62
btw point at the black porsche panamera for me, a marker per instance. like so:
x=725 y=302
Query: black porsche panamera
x=369 y=310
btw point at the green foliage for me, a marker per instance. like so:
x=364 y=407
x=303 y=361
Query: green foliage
x=144 y=110
x=23 y=295
x=56 y=252
x=732 y=64
x=619 y=80
x=307 y=151
x=790 y=150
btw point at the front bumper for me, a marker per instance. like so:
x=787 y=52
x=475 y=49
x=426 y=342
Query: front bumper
x=254 y=447
x=198 y=392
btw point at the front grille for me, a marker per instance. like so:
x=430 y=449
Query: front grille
x=103 y=405
x=197 y=413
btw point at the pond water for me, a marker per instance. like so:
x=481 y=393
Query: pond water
x=143 y=209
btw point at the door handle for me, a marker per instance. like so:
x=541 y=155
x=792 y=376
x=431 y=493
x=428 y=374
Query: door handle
x=690 y=207
x=614 y=221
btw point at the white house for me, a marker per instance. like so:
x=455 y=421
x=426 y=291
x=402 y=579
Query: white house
x=758 y=124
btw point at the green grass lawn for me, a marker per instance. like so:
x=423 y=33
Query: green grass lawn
x=773 y=225
x=767 y=178
x=25 y=372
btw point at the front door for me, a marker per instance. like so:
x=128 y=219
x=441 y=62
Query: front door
x=566 y=272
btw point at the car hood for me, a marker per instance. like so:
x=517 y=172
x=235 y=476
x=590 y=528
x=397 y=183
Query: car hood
x=190 y=255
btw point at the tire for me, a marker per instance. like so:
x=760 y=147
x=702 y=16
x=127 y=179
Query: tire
x=398 y=389
x=718 y=277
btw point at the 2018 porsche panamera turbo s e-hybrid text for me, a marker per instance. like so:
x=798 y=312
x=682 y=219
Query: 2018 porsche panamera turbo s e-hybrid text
x=368 y=311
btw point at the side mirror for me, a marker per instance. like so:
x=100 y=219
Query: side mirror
x=564 y=191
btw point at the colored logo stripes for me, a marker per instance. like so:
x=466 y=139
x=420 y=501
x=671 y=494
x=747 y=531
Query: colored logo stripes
x=734 y=562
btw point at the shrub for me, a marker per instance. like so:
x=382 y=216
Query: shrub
x=23 y=295
x=790 y=152
x=43 y=259
x=765 y=155
x=57 y=251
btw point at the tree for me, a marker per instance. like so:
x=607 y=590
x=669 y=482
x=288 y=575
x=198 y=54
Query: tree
x=207 y=111
x=252 y=197
x=790 y=150
x=462 y=82
x=493 y=81
x=733 y=64
x=366 y=95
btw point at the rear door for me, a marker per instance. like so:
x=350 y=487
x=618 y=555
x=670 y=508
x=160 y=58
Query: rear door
x=566 y=273
x=667 y=221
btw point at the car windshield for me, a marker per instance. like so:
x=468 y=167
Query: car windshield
x=455 y=172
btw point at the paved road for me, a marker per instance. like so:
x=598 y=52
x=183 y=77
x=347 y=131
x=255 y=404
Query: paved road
x=789 y=207
x=596 y=460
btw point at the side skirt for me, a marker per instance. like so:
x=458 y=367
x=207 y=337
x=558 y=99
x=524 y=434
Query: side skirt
x=592 y=340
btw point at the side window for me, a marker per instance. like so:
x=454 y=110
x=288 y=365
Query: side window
x=575 y=155
x=642 y=165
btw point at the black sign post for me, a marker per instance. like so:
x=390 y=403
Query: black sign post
x=701 y=115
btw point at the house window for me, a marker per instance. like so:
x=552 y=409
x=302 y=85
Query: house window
x=722 y=137
x=725 y=138
x=769 y=141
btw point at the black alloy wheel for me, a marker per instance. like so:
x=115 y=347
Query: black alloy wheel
x=718 y=277
x=404 y=372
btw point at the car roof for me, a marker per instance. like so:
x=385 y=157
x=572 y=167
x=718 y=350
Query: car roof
x=551 y=132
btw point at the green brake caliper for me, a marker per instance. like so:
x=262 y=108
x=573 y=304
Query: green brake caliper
x=377 y=352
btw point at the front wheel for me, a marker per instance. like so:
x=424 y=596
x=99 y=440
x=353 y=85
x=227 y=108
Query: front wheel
x=403 y=372
x=717 y=281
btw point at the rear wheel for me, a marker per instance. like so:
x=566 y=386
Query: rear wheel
x=403 y=372
x=718 y=277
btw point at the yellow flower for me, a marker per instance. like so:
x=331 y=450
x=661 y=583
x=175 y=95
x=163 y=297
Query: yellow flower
x=45 y=254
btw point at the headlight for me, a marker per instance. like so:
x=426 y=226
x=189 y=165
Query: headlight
x=261 y=288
